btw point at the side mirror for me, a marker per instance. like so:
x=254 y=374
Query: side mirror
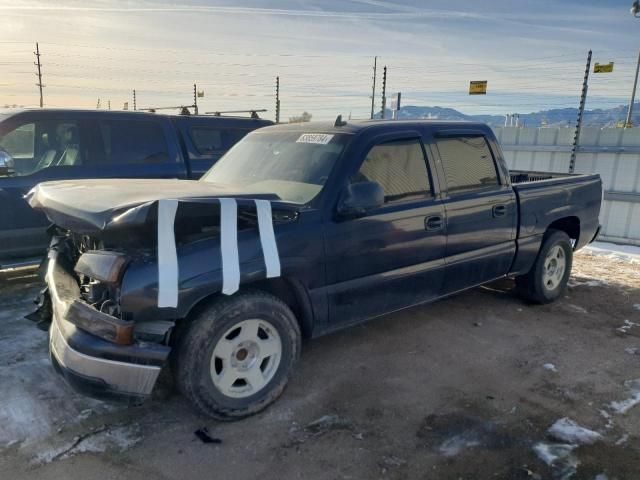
x=361 y=197
x=6 y=163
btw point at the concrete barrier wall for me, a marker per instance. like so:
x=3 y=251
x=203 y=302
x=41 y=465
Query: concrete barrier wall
x=614 y=153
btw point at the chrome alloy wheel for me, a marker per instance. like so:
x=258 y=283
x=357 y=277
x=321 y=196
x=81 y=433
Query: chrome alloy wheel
x=554 y=267
x=246 y=358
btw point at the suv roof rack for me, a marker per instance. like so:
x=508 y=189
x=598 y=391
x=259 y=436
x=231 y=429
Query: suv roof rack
x=253 y=112
x=184 y=110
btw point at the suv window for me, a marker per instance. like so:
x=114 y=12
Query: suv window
x=132 y=141
x=467 y=163
x=19 y=143
x=399 y=167
x=209 y=140
x=42 y=144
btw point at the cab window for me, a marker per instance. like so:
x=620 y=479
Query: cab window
x=467 y=163
x=399 y=167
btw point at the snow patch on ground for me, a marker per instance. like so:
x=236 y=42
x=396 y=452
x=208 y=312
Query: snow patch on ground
x=621 y=253
x=566 y=430
x=587 y=283
x=636 y=306
x=550 y=366
x=607 y=416
x=624 y=406
x=569 y=436
x=34 y=401
x=623 y=439
x=558 y=456
x=575 y=308
x=456 y=444
x=632 y=350
x=113 y=439
x=627 y=326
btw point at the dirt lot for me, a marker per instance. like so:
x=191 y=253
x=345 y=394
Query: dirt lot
x=466 y=388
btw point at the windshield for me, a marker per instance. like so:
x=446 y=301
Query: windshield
x=293 y=165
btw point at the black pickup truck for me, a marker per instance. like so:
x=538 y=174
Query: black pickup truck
x=54 y=144
x=297 y=231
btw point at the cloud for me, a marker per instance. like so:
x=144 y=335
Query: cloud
x=322 y=51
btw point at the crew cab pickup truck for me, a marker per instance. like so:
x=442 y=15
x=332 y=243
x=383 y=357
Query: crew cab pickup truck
x=42 y=145
x=297 y=231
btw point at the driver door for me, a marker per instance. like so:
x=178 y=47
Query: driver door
x=392 y=257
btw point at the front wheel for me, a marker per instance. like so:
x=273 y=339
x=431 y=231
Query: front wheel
x=548 y=277
x=236 y=356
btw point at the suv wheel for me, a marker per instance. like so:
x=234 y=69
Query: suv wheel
x=236 y=356
x=548 y=277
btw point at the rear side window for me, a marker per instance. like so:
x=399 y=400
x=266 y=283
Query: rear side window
x=467 y=163
x=399 y=167
x=136 y=141
x=209 y=140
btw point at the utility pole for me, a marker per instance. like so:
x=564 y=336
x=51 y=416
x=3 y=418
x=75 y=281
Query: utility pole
x=629 y=122
x=277 y=99
x=98 y=105
x=39 y=65
x=195 y=99
x=384 y=91
x=109 y=104
x=373 y=90
x=583 y=100
x=134 y=99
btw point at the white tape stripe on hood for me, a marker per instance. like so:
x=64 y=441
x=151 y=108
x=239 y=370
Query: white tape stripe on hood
x=167 y=255
x=268 y=238
x=229 y=245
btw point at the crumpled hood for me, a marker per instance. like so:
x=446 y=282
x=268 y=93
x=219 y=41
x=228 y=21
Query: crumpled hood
x=86 y=206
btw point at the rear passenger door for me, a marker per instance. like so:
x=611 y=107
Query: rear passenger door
x=133 y=148
x=480 y=211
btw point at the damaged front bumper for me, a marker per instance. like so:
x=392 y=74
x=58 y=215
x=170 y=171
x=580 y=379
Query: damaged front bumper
x=90 y=364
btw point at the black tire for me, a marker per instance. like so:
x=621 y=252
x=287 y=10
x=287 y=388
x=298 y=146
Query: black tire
x=196 y=343
x=531 y=286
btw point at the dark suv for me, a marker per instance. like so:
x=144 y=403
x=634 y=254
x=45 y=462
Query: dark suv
x=43 y=145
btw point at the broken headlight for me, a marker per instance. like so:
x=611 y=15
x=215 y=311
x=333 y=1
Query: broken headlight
x=102 y=265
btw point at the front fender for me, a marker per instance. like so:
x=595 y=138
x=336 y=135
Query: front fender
x=200 y=270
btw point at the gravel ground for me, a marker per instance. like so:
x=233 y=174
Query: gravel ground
x=477 y=386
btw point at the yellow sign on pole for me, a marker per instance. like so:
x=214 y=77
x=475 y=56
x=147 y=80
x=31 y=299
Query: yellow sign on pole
x=478 y=87
x=606 y=68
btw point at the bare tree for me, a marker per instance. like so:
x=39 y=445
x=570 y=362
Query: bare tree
x=305 y=117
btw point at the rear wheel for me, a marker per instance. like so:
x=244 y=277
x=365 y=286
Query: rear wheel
x=236 y=356
x=548 y=277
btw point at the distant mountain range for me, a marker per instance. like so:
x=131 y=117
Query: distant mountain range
x=558 y=117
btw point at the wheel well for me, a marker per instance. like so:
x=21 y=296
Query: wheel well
x=569 y=225
x=290 y=291
x=293 y=293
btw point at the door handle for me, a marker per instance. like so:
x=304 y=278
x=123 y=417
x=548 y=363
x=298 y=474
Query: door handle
x=499 y=210
x=433 y=223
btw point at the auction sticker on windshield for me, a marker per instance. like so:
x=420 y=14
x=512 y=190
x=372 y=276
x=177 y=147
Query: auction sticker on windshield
x=317 y=138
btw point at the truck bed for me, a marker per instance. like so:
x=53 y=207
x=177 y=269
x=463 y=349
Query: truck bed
x=544 y=197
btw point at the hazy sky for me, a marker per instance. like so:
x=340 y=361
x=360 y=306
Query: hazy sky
x=531 y=52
